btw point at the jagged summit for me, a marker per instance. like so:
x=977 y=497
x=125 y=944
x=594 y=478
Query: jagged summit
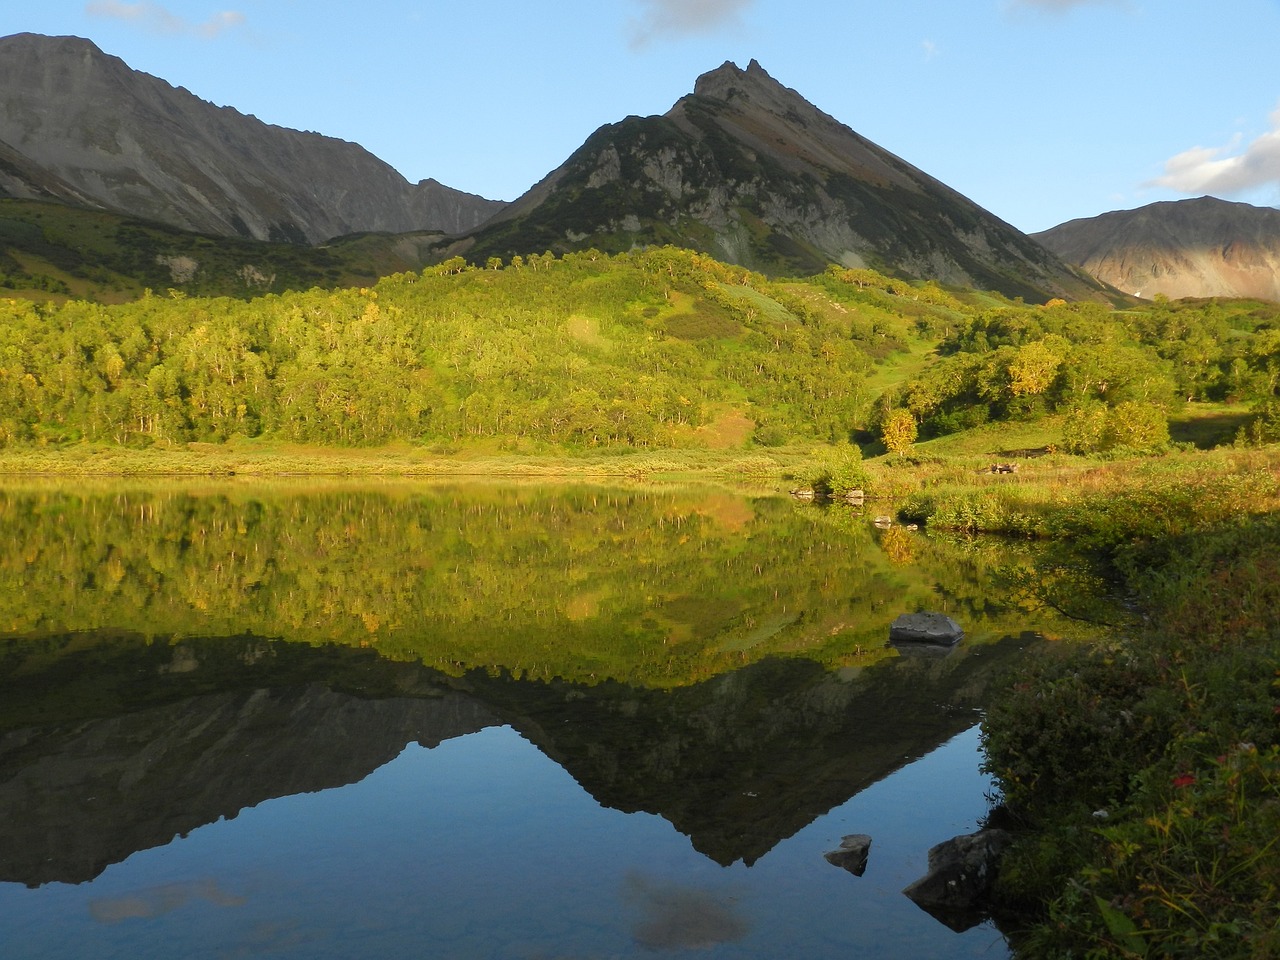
x=728 y=81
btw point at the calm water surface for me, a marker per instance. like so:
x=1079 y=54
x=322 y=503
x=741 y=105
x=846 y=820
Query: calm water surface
x=489 y=721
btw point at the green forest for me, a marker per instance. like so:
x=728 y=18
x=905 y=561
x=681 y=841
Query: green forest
x=661 y=348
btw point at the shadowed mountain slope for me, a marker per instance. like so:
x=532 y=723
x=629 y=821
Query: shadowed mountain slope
x=79 y=126
x=1185 y=248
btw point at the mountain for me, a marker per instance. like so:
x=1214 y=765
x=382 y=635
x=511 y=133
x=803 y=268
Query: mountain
x=750 y=172
x=1184 y=248
x=79 y=126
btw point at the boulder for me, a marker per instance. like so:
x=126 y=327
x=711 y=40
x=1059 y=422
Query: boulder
x=851 y=854
x=934 y=628
x=961 y=872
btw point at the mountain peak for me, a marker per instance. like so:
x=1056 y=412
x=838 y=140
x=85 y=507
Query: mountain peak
x=728 y=82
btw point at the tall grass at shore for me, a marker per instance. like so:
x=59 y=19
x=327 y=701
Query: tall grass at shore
x=1144 y=774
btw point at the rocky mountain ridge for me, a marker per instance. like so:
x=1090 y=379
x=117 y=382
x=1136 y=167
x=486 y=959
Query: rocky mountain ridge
x=1185 y=248
x=82 y=127
x=750 y=172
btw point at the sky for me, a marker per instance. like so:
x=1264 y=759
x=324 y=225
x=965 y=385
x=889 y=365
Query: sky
x=1041 y=111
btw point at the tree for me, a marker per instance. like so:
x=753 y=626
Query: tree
x=898 y=431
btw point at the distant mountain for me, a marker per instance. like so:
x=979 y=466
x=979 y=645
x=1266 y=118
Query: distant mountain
x=749 y=171
x=1183 y=248
x=79 y=126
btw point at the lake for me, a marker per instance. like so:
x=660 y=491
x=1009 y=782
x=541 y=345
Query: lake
x=499 y=720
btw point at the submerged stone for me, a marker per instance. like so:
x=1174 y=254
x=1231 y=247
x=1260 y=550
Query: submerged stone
x=851 y=854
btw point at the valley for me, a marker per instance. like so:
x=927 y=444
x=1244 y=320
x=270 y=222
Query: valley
x=744 y=292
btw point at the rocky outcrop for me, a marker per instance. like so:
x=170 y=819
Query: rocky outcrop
x=752 y=173
x=1186 y=248
x=959 y=880
x=81 y=126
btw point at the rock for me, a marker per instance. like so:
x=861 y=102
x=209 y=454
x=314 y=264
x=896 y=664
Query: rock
x=925 y=628
x=961 y=873
x=883 y=522
x=855 y=496
x=803 y=493
x=851 y=854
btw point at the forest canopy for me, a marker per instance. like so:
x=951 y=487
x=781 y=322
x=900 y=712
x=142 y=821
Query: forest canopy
x=654 y=348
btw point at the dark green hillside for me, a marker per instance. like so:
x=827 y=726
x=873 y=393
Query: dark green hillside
x=49 y=251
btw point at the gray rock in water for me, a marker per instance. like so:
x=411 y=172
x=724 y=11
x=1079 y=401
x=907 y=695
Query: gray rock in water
x=851 y=854
x=925 y=628
x=961 y=872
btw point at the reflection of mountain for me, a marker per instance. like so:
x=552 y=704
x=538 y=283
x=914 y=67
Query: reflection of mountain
x=165 y=738
x=743 y=761
x=81 y=794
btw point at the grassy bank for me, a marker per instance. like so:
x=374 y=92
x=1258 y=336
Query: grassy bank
x=1144 y=774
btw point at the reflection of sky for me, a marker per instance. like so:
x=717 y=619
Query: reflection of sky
x=482 y=847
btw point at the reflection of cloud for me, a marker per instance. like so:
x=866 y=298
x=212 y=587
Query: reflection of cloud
x=663 y=19
x=1058 y=6
x=157 y=901
x=157 y=18
x=1206 y=170
x=681 y=918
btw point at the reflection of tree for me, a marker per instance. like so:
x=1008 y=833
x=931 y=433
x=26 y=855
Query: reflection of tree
x=897 y=545
x=659 y=587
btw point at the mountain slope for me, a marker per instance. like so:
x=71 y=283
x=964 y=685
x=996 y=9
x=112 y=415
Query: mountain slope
x=747 y=170
x=1185 y=248
x=80 y=126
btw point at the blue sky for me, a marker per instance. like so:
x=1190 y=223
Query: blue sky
x=1039 y=110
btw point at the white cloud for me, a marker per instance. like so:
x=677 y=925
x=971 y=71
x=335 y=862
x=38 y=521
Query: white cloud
x=661 y=19
x=1227 y=169
x=154 y=17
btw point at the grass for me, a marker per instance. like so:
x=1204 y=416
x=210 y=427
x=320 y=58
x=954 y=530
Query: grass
x=254 y=459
